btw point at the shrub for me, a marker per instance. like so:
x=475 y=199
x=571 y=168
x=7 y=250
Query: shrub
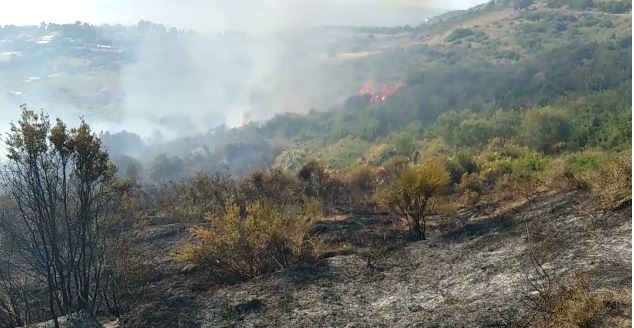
x=586 y=160
x=344 y=153
x=495 y=159
x=611 y=183
x=459 y=33
x=273 y=187
x=530 y=164
x=380 y=153
x=462 y=163
x=503 y=190
x=470 y=182
x=562 y=178
x=614 y=7
x=361 y=183
x=187 y=200
x=571 y=171
x=412 y=194
x=470 y=188
x=576 y=304
x=546 y=129
x=435 y=146
x=528 y=173
x=264 y=240
x=394 y=165
x=403 y=143
x=469 y=198
x=317 y=182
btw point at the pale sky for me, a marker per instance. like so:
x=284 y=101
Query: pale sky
x=214 y=15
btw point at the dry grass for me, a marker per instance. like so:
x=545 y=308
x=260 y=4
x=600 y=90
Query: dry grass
x=564 y=179
x=611 y=184
x=577 y=305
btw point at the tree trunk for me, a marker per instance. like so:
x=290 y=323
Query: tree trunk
x=416 y=230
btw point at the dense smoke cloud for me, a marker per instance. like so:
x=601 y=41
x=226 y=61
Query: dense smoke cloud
x=246 y=61
x=221 y=76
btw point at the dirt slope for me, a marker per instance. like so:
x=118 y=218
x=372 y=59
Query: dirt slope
x=470 y=276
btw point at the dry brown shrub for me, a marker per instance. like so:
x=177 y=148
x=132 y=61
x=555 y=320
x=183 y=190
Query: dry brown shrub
x=528 y=187
x=611 y=184
x=469 y=198
x=264 y=240
x=319 y=183
x=576 y=305
x=503 y=190
x=361 y=184
x=564 y=179
x=470 y=188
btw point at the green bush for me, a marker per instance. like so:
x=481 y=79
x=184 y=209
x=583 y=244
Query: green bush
x=547 y=129
x=562 y=178
x=584 y=161
x=530 y=164
x=614 y=7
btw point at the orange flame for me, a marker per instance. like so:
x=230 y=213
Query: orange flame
x=382 y=92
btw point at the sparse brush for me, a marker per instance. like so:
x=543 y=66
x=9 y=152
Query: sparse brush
x=361 y=184
x=470 y=188
x=611 y=183
x=444 y=206
x=528 y=186
x=265 y=240
x=571 y=171
x=469 y=198
x=564 y=179
x=577 y=305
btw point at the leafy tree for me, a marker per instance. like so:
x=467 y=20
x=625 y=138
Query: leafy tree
x=546 y=129
x=403 y=143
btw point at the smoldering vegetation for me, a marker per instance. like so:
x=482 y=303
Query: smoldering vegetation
x=159 y=90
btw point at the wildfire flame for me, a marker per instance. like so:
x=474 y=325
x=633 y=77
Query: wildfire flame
x=380 y=93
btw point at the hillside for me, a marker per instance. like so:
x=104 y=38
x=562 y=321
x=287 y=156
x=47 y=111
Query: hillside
x=470 y=171
x=484 y=60
x=477 y=275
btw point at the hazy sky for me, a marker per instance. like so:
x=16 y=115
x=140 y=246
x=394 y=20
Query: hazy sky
x=214 y=15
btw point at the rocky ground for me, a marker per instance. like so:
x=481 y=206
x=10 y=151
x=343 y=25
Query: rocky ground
x=472 y=275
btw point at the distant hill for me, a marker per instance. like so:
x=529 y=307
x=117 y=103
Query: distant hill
x=351 y=85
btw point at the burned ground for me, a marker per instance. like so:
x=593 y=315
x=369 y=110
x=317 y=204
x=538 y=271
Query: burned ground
x=473 y=275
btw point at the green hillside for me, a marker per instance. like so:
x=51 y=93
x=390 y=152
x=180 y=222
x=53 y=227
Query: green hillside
x=482 y=74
